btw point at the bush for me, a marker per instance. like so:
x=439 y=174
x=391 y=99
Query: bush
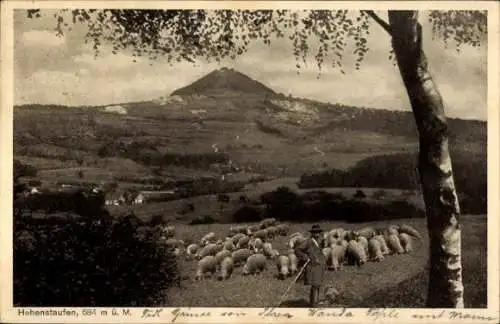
x=247 y=214
x=156 y=220
x=203 y=219
x=90 y=264
x=282 y=204
x=359 y=194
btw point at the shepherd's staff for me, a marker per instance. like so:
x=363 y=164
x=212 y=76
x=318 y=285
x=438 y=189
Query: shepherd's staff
x=293 y=282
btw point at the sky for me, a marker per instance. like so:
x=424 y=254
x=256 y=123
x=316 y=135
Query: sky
x=49 y=69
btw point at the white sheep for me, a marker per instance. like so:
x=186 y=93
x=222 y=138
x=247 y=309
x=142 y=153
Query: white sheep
x=243 y=242
x=210 y=249
x=237 y=237
x=283 y=265
x=296 y=240
x=329 y=240
x=238 y=229
x=221 y=255
x=336 y=257
x=252 y=229
x=356 y=252
x=240 y=256
x=326 y=252
x=393 y=230
x=394 y=244
x=272 y=232
x=262 y=234
x=364 y=243
x=255 y=244
x=267 y=249
x=410 y=231
x=342 y=242
x=338 y=233
x=228 y=245
x=274 y=254
x=383 y=244
x=292 y=257
x=226 y=268
x=255 y=264
x=191 y=250
x=268 y=222
x=406 y=242
x=296 y=234
x=206 y=266
x=366 y=232
x=208 y=238
x=283 y=229
x=375 y=249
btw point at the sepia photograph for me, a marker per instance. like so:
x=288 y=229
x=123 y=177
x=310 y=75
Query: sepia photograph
x=322 y=158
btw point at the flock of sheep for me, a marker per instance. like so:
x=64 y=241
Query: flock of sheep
x=251 y=247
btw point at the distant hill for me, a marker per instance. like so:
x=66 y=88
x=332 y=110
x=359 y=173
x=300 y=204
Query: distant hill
x=223 y=121
x=222 y=81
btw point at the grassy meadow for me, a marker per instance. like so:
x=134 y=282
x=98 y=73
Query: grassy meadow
x=398 y=281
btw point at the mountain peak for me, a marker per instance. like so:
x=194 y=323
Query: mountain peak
x=222 y=81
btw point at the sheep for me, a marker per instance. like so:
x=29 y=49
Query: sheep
x=393 y=230
x=326 y=252
x=252 y=229
x=255 y=244
x=238 y=229
x=268 y=222
x=296 y=234
x=229 y=246
x=383 y=244
x=209 y=238
x=191 y=250
x=342 y=243
x=221 y=255
x=293 y=261
x=375 y=249
x=295 y=240
x=243 y=242
x=283 y=229
x=171 y=243
x=240 y=256
x=405 y=240
x=329 y=240
x=336 y=257
x=356 y=253
x=267 y=249
x=272 y=232
x=255 y=264
x=262 y=234
x=338 y=233
x=237 y=237
x=274 y=254
x=210 y=249
x=364 y=243
x=226 y=268
x=206 y=265
x=283 y=265
x=410 y=231
x=366 y=232
x=394 y=244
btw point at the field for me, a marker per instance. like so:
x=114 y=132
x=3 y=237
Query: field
x=398 y=281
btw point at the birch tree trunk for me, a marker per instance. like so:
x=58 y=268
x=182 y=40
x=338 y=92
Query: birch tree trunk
x=436 y=175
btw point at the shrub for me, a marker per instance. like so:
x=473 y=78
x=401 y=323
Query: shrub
x=282 y=203
x=187 y=208
x=244 y=199
x=359 y=194
x=90 y=264
x=156 y=220
x=203 y=219
x=247 y=214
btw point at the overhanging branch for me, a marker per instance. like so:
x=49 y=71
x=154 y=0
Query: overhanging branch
x=379 y=20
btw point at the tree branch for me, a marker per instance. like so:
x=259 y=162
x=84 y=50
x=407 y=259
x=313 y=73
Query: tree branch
x=379 y=20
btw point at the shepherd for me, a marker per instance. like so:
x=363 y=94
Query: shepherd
x=311 y=250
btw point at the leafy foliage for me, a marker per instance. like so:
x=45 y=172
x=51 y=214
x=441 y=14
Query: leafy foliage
x=90 y=264
x=187 y=35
